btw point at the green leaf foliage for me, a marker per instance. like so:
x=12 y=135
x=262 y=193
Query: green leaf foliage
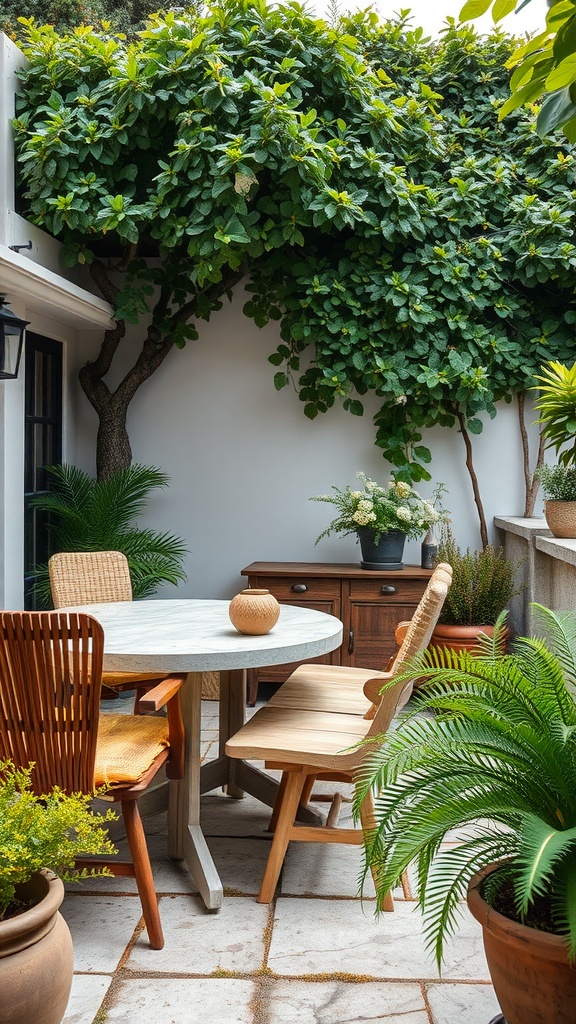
x=89 y=515
x=489 y=738
x=65 y=15
x=405 y=241
x=545 y=66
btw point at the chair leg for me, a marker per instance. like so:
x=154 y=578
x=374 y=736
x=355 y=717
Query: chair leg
x=368 y=819
x=307 y=790
x=278 y=802
x=143 y=872
x=286 y=818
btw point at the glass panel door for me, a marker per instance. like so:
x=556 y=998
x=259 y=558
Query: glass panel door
x=43 y=446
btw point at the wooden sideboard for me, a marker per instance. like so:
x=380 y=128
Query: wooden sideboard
x=369 y=602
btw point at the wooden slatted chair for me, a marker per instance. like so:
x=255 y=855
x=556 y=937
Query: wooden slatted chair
x=306 y=744
x=97 y=577
x=50 y=681
x=340 y=688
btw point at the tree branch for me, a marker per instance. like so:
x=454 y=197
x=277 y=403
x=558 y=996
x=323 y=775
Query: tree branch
x=155 y=348
x=99 y=275
x=472 y=473
x=531 y=481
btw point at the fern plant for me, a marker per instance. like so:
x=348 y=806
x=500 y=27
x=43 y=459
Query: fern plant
x=495 y=752
x=98 y=515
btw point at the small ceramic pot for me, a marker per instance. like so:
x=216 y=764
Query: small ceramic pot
x=254 y=612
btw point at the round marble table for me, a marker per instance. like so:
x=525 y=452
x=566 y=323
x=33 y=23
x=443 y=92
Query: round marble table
x=197 y=637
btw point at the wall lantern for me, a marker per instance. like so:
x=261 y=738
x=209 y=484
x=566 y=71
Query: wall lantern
x=12 y=331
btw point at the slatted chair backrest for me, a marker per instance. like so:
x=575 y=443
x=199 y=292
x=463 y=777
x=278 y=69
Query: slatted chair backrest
x=89 y=577
x=417 y=639
x=50 y=682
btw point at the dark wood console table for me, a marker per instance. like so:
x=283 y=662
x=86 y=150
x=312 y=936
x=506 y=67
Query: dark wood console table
x=370 y=604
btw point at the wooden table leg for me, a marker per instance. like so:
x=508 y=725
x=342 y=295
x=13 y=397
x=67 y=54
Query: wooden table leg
x=233 y=684
x=185 y=837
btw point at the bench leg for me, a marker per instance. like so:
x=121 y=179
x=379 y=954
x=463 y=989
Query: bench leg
x=368 y=820
x=286 y=817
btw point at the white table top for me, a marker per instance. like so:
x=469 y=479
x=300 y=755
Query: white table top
x=197 y=636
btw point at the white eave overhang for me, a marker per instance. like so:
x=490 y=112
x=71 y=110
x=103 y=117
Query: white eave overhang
x=47 y=293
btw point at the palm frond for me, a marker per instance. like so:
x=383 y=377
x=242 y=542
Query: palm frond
x=488 y=738
x=559 y=631
x=92 y=515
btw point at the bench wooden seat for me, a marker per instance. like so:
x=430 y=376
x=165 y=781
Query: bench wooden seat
x=308 y=743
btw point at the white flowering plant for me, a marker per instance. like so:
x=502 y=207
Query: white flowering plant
x=381 y=509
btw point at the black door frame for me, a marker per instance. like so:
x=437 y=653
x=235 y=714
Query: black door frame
x=42 y=444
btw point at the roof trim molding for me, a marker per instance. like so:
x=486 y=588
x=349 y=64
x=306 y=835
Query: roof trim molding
x=46 y=292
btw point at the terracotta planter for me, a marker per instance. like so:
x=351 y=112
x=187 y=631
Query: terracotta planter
x=532 y=978
x=254 y=612
x=458 y=638
x=561 y=517
x=36 y=960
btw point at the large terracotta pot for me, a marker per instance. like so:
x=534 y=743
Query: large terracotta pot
x=458 y=638
x=532 y=978
x=36 y=960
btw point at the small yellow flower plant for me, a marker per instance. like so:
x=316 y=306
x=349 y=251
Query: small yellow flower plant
x=48 y=831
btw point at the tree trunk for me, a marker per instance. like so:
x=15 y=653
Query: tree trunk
x=472 y=473
x=531 y=481
x=113 y=451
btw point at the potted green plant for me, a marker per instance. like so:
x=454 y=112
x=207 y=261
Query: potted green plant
x=483 y=584
x=99 y=515
x=489 y=745
x=381 y=517
x=40 y=838
x=556 y=405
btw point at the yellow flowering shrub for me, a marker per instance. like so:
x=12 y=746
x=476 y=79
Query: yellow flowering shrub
x=48 y=831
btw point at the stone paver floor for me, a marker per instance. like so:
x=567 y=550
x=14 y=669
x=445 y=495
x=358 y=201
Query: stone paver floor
x=317 y=955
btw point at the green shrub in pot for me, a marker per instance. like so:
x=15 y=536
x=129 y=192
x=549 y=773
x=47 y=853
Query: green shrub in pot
x=483 y=583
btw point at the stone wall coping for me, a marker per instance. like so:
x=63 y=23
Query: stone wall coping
x=563 y=549
x=522 y=527
x=557 y=547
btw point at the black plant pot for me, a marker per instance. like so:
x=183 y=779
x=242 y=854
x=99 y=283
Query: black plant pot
x=386 y=554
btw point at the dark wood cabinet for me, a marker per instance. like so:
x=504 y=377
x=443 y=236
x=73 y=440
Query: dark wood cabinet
x=370 y=604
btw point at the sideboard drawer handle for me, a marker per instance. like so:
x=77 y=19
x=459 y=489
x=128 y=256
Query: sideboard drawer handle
x=387 y=588
x=299 y=588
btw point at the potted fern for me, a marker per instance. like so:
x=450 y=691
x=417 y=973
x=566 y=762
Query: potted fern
x=494 y=753
x=100 y=515
x=40 y=838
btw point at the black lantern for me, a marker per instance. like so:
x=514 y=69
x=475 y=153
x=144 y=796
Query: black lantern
x=12 y=331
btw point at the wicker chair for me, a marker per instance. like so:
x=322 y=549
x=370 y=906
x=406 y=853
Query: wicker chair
x=97 y=577
x=50 y=680
x=307 y=742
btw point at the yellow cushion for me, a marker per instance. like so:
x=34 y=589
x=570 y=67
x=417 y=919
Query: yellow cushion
x=126 y=747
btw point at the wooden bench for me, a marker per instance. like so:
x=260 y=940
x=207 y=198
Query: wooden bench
x=312 y=729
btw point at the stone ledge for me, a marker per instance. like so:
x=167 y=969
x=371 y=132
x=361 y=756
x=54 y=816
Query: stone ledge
x=562 y=549
x=527 y=528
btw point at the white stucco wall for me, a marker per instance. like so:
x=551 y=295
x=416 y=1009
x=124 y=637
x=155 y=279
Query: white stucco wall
x=243 y=460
